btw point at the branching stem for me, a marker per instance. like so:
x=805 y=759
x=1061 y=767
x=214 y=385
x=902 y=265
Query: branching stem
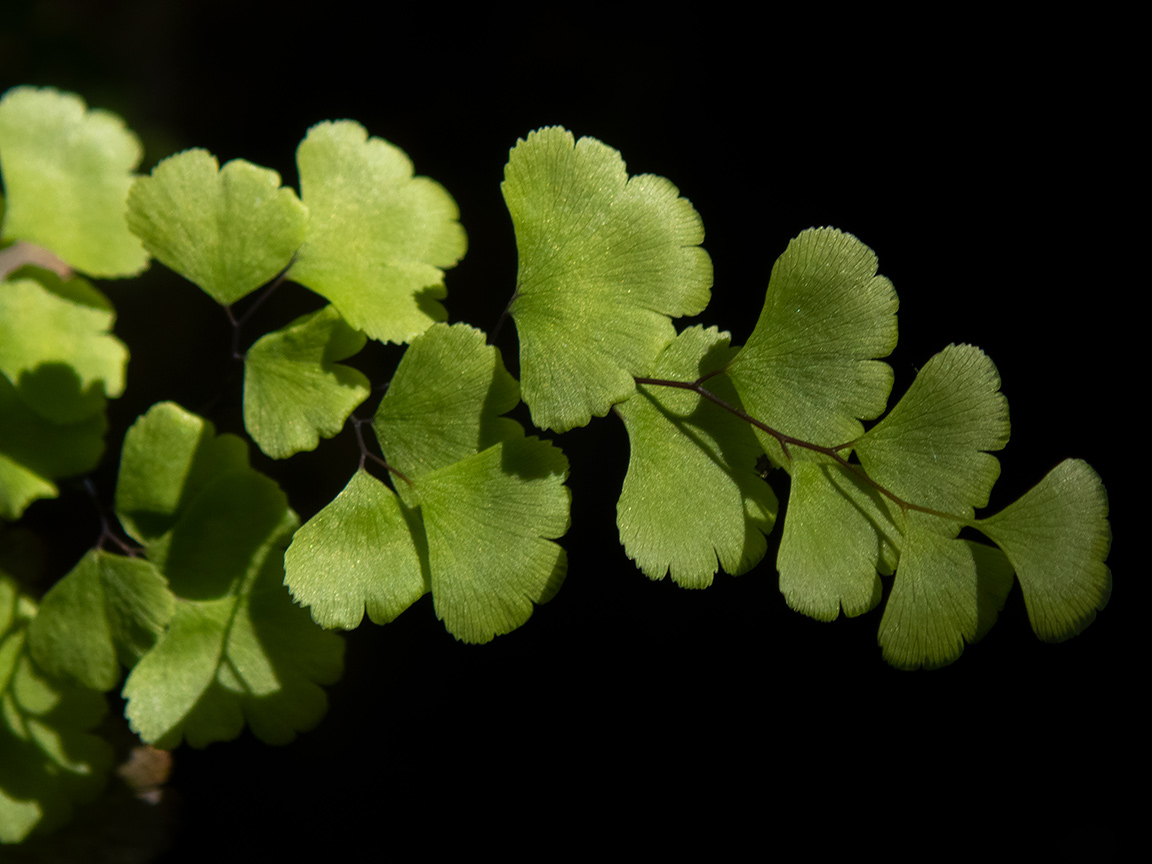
x=786 y=441
x=357 y=422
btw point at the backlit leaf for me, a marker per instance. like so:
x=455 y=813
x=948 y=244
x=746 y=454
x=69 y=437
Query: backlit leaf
x=1057 y=537
x=490 y=522
x=604 y=260
x=692 y=496
x=294 y=390
x=107 y=612
x=808 y=370
x=929 y=449
x=839 y=534
x=66 y=172
x=378 y=238
x=228 y=230
x=56 y=345
x=444 y=402
x=357 y=554
x=946 y=592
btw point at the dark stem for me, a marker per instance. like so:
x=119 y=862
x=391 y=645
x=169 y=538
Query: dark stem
x=365 y=455
x=237 y=323
x=785 y=441
x=107 y=533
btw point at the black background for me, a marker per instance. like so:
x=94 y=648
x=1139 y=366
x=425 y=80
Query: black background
x=985 y=163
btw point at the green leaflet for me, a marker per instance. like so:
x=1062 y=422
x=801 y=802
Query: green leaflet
x=35 y=451
x=445 y=402
x=358 y=553
x=838 y=535
x=228 y=230
x=490 y=521
x=253 y=656
x=604 y=260
x=692 y=495
x=378 y=238
x=56 y=345
x=236 y=648
x=1057 y=537
x=48 y=759
x=929 y=449
x=946 y=592
x=294 y=390
x=107 y=612
x=807 y=369
x=169 y=456
x=66 y=176
x=481 y=504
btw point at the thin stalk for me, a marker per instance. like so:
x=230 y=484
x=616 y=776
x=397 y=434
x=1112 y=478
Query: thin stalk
x=786 y=441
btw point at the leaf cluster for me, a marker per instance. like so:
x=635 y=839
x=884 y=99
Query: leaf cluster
x=220 y=607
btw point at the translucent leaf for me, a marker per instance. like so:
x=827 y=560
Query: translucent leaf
x=107 y=612
x=445 y=400
x=252 y=657
x=237 y=648
x=807 y=369
x=378 y=238
x=294 y=390
x=228 y=230
x=66 y=176
x=946 y=592
x=1057 y=537
x=169 y=455
x=357 y=553
x=490 y=520
x=604 y=260
x=34 y=451
x=928 y=450
x=221 y=537
x=56 y=345
x=48 y=759
x=838 y=534
x=692 y=495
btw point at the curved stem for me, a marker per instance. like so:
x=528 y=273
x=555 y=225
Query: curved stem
x=365 y=455
x=786 y=441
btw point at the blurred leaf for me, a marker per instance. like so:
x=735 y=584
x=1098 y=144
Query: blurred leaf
x=66 y=176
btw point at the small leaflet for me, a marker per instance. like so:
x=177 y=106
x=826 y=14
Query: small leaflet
x=692 y=498
x=946 y=592
x=237 y=649
x=808 y=369
x=473 y=519
x=839 y=535
x=604 y=261
x=169 y=456
x=66 y=172
x=929 y=449
x=228 y=230
x=51 y=759
x=294 y=390
x=357 y=554
x=378 y=238
x=490 y=521
x=445 y=402
x=34 y=452
x=1057 y=537
x=106 y=613
x=56 y=345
